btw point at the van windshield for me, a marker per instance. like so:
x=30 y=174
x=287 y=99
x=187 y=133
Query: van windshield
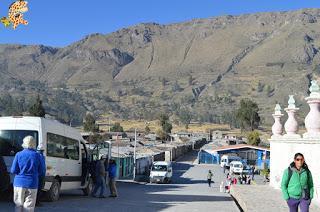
x=237 y=165
x=159 y=168
x=11 y=141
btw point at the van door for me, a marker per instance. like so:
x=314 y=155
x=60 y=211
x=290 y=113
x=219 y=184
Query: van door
x=74 y=164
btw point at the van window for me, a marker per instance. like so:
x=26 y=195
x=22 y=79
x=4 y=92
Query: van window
x=11 y=140
x=62 y=147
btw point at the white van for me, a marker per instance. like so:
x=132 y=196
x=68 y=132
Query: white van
x=227 y=159
x=66 y=155
x=236 y=167
x=161 y=172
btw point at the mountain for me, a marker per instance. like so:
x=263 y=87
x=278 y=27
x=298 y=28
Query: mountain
x=203 y=67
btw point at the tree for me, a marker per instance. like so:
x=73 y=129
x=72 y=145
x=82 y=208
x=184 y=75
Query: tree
x=89 y=124
x=116 y=127
x=247 y=115
x=37 y=109
x=190 y=80
x=161 y=134
x=253 y=138
x=176 y=87
x=165 y=124
x=147 y=130
x=167 y=127
x=185 y=117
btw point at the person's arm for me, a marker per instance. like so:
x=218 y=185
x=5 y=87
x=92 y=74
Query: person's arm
x=284 y=185
x=310 y=185
x=15 y=166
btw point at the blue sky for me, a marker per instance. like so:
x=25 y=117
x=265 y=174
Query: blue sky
x=61 y=22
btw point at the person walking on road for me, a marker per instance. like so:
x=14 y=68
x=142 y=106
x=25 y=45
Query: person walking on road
x=209 y=178
x=297 y=185
x=112 y=170
x=100 y=179
x=27 y=167
x=224 y=168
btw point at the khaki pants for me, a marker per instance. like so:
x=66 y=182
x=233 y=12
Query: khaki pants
x=25 y=199
x=112 y=187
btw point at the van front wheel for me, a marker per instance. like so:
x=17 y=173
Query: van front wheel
x=54 y=193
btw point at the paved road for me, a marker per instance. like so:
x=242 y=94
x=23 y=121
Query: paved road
x=188 y=192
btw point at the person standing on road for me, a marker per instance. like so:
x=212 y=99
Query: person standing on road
x=100 y=181
x=27 y=168
x=224 y=168
x=112 y=170
x=41 y=178
x=253 y=169
x=4 y=176
x=209 y=178
x=297 y=185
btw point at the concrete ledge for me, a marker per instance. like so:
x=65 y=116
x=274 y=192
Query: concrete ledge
x=262 y=198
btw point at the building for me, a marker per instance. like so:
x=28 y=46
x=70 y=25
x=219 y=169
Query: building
x=252 y=155
x=124 y=160
x=284 y=145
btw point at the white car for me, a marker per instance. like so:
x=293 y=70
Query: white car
x=236 y=167
x=161 y=172
x=227 y=159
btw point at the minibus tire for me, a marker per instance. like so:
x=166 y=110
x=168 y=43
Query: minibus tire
x=87 y=190
x=54 y=193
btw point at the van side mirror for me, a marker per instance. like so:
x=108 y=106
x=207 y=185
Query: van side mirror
x=169 y=170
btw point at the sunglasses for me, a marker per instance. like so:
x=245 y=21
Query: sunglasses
x=299 y=159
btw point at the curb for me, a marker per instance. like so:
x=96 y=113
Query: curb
x=132 y=182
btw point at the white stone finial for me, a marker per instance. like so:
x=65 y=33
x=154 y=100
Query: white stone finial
x=312 y=120
x=314 y=88
x=291 y=126
x=291 y=102
x=277 y=126
x=277 y=110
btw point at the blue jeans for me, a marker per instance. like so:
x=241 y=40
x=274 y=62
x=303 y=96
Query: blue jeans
x=100 y=184
x=294 y=204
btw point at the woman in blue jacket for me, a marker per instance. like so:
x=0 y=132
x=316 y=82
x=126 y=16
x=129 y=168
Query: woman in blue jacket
x=27 y=168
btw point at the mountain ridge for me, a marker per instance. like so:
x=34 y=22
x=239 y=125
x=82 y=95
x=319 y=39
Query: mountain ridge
x=204 y=66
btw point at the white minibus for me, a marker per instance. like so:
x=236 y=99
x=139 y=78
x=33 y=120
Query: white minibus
x=66 y=155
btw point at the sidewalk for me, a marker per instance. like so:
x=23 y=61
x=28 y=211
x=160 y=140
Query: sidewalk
x=262 y=198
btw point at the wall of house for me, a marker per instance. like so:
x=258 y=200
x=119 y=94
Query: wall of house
x=282 y=153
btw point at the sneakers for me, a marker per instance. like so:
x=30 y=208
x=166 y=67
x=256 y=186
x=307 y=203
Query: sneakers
x=112 y=195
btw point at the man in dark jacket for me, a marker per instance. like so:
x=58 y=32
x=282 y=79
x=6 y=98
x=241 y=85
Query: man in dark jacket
x=100 y=182
x=297 y=185
x=4 y=177
x=112 y=170
x=41 y=178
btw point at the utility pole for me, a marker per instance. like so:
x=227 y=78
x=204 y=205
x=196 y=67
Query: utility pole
x=134 y=154
x=109 y=123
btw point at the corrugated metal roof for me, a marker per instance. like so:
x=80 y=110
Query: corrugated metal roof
x=239 y=146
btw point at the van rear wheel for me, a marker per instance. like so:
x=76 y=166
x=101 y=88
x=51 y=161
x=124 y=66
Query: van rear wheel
x=54 y=193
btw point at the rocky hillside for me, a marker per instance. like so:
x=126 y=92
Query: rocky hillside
x=203 y=67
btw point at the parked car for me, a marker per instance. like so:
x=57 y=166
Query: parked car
x=227 y=159
x=236 y=167
x=161 y=172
